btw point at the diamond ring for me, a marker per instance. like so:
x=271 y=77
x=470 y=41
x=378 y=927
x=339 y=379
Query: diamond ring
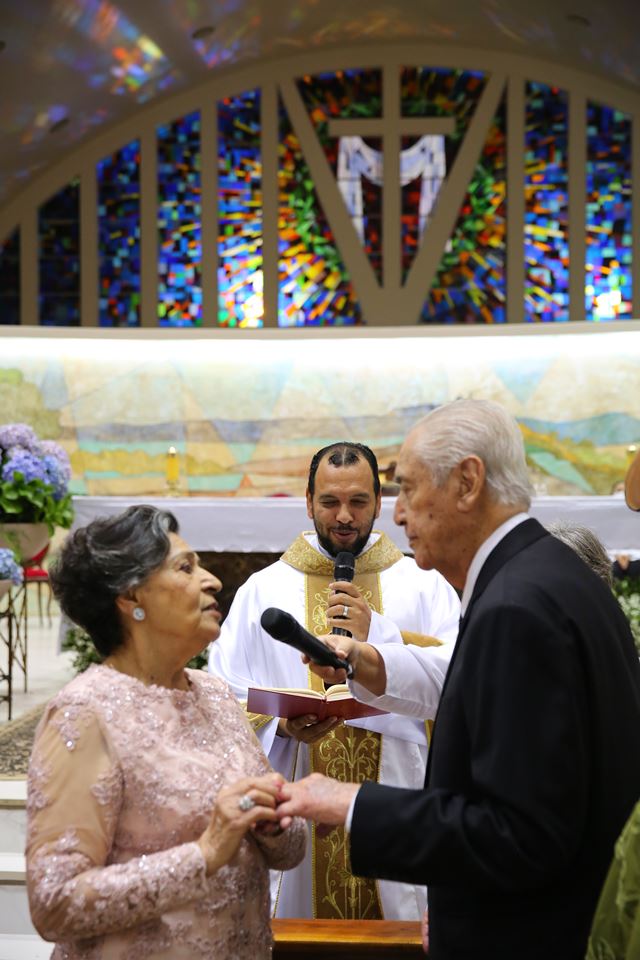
x=246 y=803
x=345 y=611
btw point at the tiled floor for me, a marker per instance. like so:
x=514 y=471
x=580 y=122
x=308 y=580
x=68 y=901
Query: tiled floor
x=47 y=669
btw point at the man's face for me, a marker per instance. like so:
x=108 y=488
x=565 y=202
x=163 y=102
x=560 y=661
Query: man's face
x=428 y=514
x=343 y=506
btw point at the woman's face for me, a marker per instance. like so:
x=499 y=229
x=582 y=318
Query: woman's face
x=179 y=600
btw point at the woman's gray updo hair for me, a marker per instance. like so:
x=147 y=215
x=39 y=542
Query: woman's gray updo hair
x=104 y=560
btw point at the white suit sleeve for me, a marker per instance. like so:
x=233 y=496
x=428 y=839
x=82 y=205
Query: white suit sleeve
x=415 y=674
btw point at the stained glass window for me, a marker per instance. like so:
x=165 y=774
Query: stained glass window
x=314 y=285
x=469 y=286
x=59 y=258
x=425 y=93
x=119 y=237
x=240 y=282
x=546 y=204
x=10 y=279
x=179 y=235
x=609 y=245
x=356 y=162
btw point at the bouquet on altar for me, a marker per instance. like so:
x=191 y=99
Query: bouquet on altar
x=34 y=479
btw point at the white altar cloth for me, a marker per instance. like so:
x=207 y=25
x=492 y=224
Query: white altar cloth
x=269 y=524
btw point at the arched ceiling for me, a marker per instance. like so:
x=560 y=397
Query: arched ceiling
x=71 y=67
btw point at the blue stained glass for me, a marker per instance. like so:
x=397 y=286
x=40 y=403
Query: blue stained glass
x=240 y=279
x=119 y=237
x=59 y=258
x=179 y=233
x=10 y=279
x=546 y=205
x=608 y=286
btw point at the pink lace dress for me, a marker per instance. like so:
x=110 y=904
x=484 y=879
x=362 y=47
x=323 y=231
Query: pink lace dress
x=122 y=781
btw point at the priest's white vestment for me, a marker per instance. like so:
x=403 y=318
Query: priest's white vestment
x=418 y=603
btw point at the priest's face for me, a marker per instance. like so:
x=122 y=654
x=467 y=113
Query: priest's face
x=343 y=506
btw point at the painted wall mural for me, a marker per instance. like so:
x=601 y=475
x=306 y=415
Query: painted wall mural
x=246 y=416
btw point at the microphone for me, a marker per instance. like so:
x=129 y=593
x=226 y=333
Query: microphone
x=344 y=569
x=282 y=626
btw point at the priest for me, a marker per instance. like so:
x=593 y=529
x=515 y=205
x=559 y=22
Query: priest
x=390 y=601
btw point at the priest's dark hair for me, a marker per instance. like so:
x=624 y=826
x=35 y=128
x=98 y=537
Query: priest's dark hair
x=344 y=453
x=107 y=559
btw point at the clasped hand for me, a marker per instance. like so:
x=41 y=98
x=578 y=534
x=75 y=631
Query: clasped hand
x=275 y=802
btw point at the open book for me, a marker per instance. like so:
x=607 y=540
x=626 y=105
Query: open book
x=290 y=703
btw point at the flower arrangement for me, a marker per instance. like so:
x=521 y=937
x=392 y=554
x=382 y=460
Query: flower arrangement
x=34 y=479
x=10 y=569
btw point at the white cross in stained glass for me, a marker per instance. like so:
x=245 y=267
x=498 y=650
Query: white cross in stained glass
x=390 y=128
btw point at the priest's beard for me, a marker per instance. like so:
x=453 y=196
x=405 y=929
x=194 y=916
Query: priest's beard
x=333 y=549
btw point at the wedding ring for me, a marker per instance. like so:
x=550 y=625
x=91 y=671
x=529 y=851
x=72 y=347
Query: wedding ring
x=246 y=803
x=345 y=611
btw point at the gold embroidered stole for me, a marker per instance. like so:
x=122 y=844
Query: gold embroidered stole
x=348 y=754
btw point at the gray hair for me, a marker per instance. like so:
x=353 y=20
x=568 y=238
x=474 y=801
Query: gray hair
x=585 y=543
x=105 y=560
x=478 y=428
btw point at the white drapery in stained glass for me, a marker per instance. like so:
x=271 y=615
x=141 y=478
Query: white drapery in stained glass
x=356 y=159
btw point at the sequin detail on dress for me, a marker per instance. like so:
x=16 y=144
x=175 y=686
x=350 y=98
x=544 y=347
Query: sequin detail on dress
x=122 y=782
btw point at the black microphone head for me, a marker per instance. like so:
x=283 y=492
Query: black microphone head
x=344 y=567
x=276 y=622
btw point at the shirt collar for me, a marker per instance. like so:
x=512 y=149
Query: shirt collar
x=483 y=552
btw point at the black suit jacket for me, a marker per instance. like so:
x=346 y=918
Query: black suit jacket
x=534 y=763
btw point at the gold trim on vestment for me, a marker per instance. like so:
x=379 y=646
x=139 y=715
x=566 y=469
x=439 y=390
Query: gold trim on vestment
x=348 y=754
x=302 y=556
x=421 y=640
x=257 y=720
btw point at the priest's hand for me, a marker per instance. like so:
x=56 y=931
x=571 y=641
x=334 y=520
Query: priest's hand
x=349 y=610
x=317 y=798
x=306 y=729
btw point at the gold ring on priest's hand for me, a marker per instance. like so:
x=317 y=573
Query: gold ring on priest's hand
x=246 y=803
x=345 y=611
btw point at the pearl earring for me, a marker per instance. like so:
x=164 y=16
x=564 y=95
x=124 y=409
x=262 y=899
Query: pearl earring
x=138 y=614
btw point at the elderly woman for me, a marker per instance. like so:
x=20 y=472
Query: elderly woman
x=151 y=807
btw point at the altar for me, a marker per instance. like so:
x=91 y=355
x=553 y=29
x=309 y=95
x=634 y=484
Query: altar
x=236 y=536
x=269 y=524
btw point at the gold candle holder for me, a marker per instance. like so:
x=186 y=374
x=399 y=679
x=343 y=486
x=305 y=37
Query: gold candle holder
x=172 y=470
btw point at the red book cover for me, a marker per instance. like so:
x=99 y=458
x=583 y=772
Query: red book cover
x=336 y=702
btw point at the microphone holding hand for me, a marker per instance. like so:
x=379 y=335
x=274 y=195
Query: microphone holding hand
x=282 y=626
x=344 y=568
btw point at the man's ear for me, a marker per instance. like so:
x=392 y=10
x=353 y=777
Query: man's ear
x=378 y=506
x=471 y=482
x=309 y=505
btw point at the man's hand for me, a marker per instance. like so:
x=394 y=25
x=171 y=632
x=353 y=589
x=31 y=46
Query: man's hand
x=317 y=798
x=367 y=664
x=348 y=610
x=306 y=729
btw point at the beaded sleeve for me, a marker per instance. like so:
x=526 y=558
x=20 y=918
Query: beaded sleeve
x=74 y=795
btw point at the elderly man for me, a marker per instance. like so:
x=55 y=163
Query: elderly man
x=533 y=766
x=390 y=601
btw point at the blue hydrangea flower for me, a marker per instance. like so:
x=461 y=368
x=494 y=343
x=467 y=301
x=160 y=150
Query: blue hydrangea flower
x=28 y=464
x=56 y=475
x=18 y=435
x=10 y=569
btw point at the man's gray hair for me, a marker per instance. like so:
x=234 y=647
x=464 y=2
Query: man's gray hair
x=585 y=543
x=478 y=428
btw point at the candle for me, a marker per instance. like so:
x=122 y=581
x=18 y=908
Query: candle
x=172 y=467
